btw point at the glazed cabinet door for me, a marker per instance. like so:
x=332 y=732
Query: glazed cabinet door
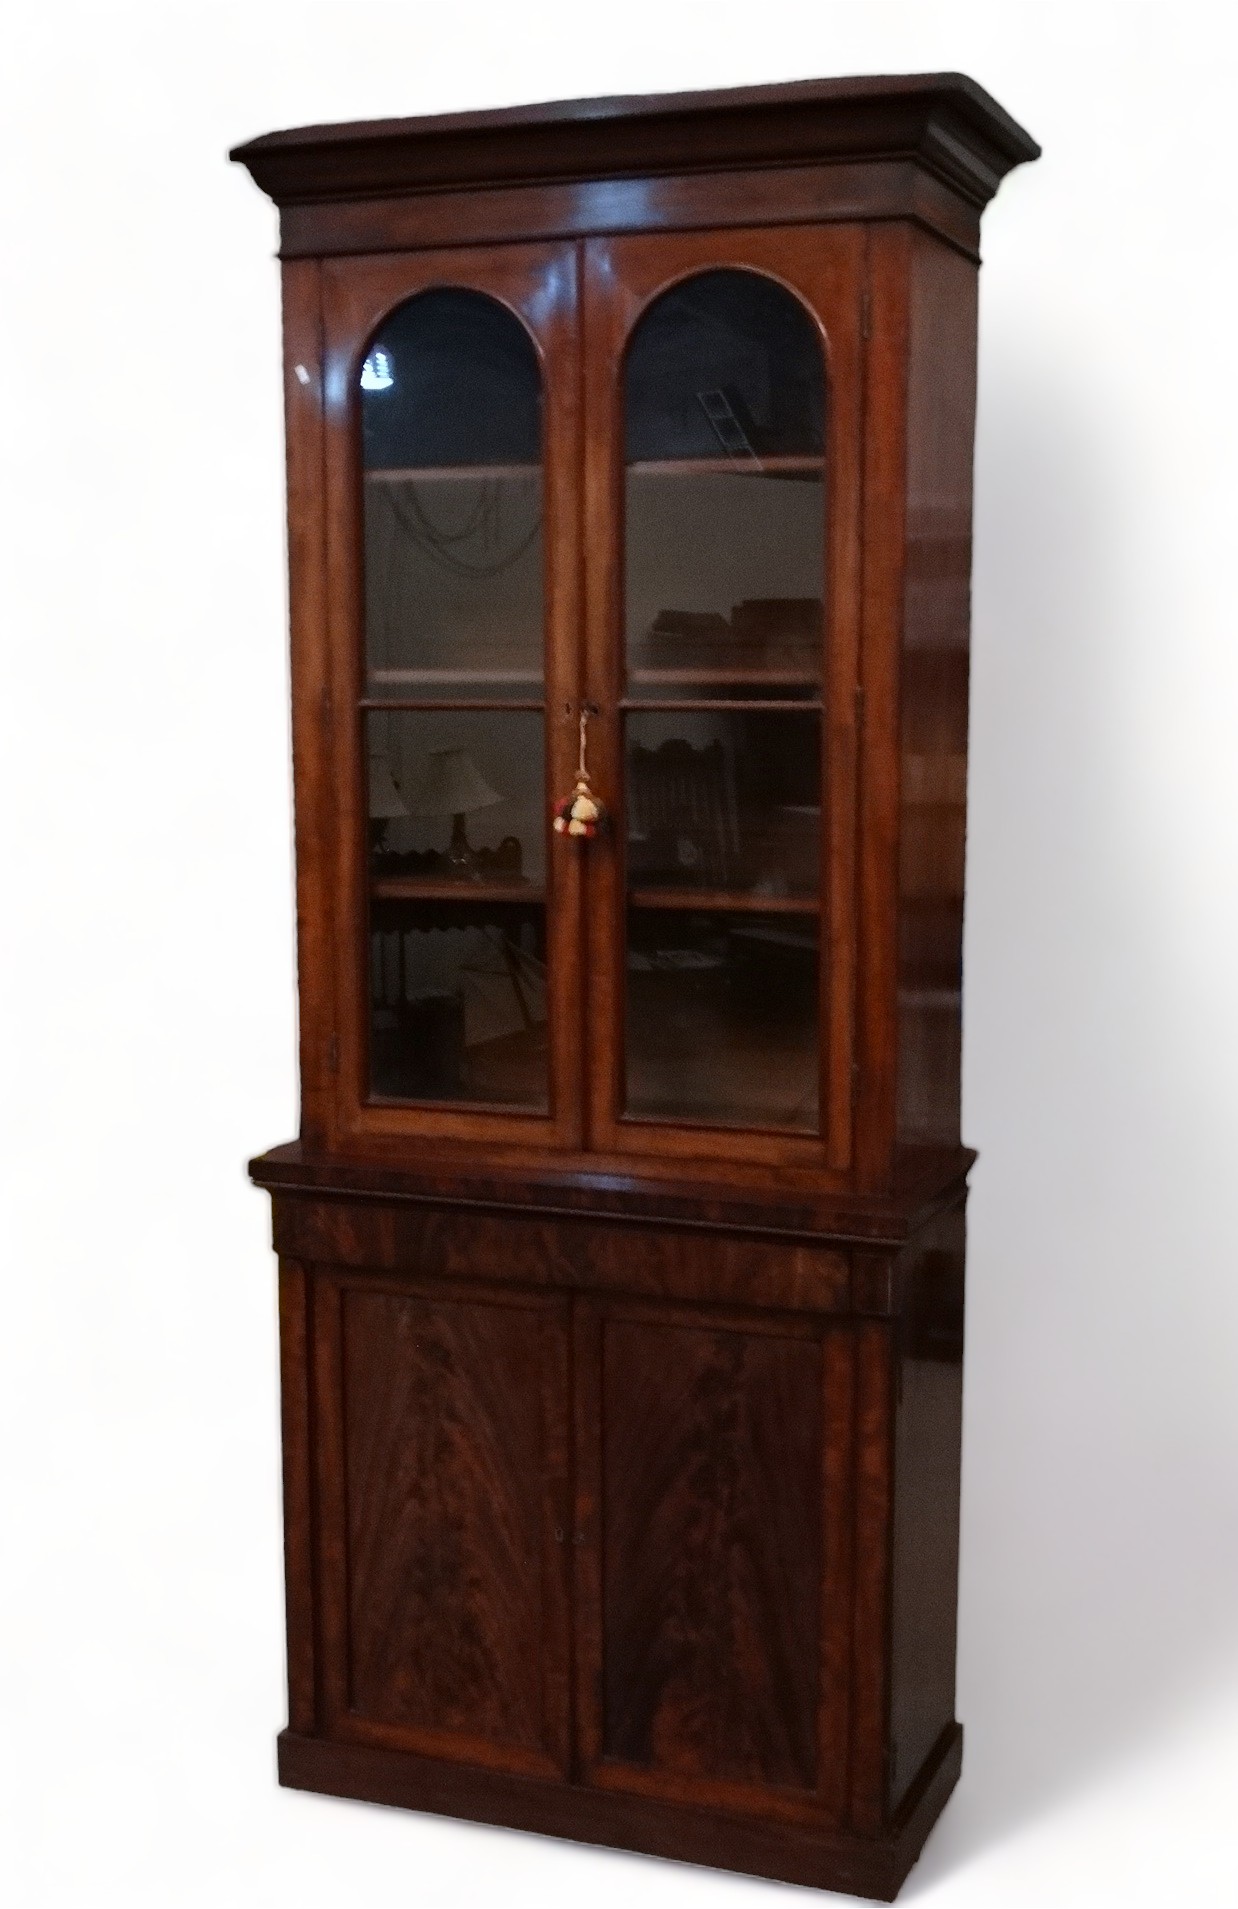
x=713 y=1599
x=449 y=674
x=723 y=478
x=443 y=1500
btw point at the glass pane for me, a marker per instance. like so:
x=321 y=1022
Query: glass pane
x=722 y=1018
x=457 y=918
x=724 y=610
x=458 y=1001
x=451 y=436
x=726 y=364
x=727 y=799
x=725 y=494
x=457 y=796
x=451 y=449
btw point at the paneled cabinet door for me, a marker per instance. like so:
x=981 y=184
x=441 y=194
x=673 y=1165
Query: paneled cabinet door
x=723 y=396
x=713 y=1603
x=443 y=1501
x=451 y=460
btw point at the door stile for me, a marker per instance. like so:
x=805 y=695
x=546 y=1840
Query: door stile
x=312 y=772
x=587 y=1537
x=297 y=1442
x=331 y=1545
x=838 y=1570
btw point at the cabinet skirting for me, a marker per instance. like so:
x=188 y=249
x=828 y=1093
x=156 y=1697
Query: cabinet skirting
x=875 y=1867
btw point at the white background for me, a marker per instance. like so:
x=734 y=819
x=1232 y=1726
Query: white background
x=148 y=962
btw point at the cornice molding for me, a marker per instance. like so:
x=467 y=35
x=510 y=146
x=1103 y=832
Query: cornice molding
x=943 y=122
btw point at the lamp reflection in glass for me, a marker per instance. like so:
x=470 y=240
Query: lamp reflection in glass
x=385 y=802
x=452 y=784
x=376 y=372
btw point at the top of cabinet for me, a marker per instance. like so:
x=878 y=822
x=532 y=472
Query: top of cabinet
x=943 y=123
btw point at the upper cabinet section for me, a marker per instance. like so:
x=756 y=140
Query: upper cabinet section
x=932 y=147
x=629 y=452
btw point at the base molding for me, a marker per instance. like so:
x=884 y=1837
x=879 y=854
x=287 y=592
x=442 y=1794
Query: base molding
x=862 y=1866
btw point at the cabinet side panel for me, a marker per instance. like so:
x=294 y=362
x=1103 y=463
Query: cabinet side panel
x=927 y=1439
x=307 y=601
x=933 y=741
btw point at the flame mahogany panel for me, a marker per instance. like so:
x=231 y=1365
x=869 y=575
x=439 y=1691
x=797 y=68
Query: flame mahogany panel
x=446 y=1418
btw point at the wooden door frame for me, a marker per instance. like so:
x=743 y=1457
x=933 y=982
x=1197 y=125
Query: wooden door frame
x=332 y=311
x=621 y=278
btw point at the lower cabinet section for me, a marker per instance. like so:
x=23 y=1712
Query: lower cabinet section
x=627 y=1565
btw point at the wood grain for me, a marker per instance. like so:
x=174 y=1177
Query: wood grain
x=836 y=193
x=568 y=1254
x=870 y=1663
x=298 y=1435
x=925 y=1533
x=711 y=1506
x=941 y=406
x=739 y=1199
x=312 y=739
x=452 y=1431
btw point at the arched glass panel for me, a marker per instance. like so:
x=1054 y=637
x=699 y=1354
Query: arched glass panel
x=724 y=572
x=451 y=416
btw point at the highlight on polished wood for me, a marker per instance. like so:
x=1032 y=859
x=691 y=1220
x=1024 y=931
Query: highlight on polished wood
x=621 y=1250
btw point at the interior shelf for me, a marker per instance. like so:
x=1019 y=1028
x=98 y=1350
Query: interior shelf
x=723 y=901
x=784 y=466
x=455 y=676
x=711 y=673
x=450 y=473
x=445 y=888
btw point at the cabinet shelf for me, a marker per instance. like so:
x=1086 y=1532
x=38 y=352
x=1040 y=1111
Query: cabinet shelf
x=410 y=677
x=734 y=673
x=450 y=473
x=723 y=901
x=417 y=888
x=786 y=466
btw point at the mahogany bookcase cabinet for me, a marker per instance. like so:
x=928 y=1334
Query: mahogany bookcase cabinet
x=621 y=1253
